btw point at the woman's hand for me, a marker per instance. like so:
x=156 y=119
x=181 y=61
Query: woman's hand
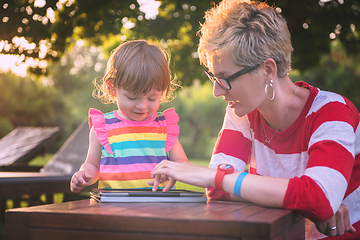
x=161 y=179
x=184 y=172
x=337 y=225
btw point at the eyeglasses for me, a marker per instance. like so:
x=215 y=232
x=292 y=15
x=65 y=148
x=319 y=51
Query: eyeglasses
x=224 y=83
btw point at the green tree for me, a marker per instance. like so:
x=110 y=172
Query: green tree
x=338 y=73
x=70 y=70
x=24 y=102
x=73 y=77
x=312 y=24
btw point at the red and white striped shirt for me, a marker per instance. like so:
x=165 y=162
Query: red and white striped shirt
x=319 y=153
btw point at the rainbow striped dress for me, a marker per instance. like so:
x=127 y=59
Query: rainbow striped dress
x=131 y=149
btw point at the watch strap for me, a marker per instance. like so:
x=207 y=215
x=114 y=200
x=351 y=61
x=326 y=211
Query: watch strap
x=219 y=179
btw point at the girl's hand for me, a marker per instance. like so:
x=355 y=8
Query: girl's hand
x=79 y=180
x=340 y=220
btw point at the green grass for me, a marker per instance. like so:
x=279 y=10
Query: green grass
x=201 y=162
x=40 y=160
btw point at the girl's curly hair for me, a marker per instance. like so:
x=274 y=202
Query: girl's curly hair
x=136 y=66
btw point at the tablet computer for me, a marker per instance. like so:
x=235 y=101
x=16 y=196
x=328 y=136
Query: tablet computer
x=146 y=195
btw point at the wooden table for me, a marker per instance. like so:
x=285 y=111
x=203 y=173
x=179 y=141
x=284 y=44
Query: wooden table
x=90 y=220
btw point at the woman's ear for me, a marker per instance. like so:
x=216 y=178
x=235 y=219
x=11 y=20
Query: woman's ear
x=270 y=68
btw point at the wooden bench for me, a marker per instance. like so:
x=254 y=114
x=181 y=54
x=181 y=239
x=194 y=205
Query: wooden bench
x=53 y=178
x=23 y=144
x=71 y=155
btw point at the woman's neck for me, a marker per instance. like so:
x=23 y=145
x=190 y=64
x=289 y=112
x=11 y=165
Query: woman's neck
x=287 y=105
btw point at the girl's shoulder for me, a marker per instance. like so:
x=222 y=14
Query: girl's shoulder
x=109 y=117
x=96 y=118
x=98 y=121
x=169 y=115
x=171 y=119
x=96 y=112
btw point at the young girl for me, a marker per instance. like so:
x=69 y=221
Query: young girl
x=126 y=144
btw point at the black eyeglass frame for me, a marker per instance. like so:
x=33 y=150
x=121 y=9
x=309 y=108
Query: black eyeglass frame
x=230 y=78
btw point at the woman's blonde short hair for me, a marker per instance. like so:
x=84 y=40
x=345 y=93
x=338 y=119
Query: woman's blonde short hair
x=249 y=31
x=136 y=66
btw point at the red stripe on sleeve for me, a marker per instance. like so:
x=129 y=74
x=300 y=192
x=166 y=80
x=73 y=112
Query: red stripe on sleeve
x=305 y=196
x=354 y=182
x=335 y=111
x=333 y=155
x=233 y=143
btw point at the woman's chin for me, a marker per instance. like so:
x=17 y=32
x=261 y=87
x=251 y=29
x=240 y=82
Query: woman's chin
x=239 y=112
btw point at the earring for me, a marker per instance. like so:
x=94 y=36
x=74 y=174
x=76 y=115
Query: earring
x=272 y=88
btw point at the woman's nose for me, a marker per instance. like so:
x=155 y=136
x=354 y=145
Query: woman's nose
x=218 y=91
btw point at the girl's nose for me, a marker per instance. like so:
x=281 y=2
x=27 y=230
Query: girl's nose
x=141 y=104
x=218 y=91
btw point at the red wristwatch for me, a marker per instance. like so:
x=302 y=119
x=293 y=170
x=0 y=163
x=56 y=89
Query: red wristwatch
x=221 y=171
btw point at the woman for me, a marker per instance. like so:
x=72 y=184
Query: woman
x=302 y=144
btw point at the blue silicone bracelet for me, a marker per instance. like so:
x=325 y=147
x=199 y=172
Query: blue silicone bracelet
x=238 y=183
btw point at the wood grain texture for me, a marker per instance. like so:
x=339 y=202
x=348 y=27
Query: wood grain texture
x=87 y=219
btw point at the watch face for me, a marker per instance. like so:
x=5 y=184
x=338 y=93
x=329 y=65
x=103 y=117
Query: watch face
x=225 y=166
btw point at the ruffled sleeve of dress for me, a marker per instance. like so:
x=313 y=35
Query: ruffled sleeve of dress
x=97 y=120
x=173 y=129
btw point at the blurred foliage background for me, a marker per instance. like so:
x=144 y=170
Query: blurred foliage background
x=67 y=42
